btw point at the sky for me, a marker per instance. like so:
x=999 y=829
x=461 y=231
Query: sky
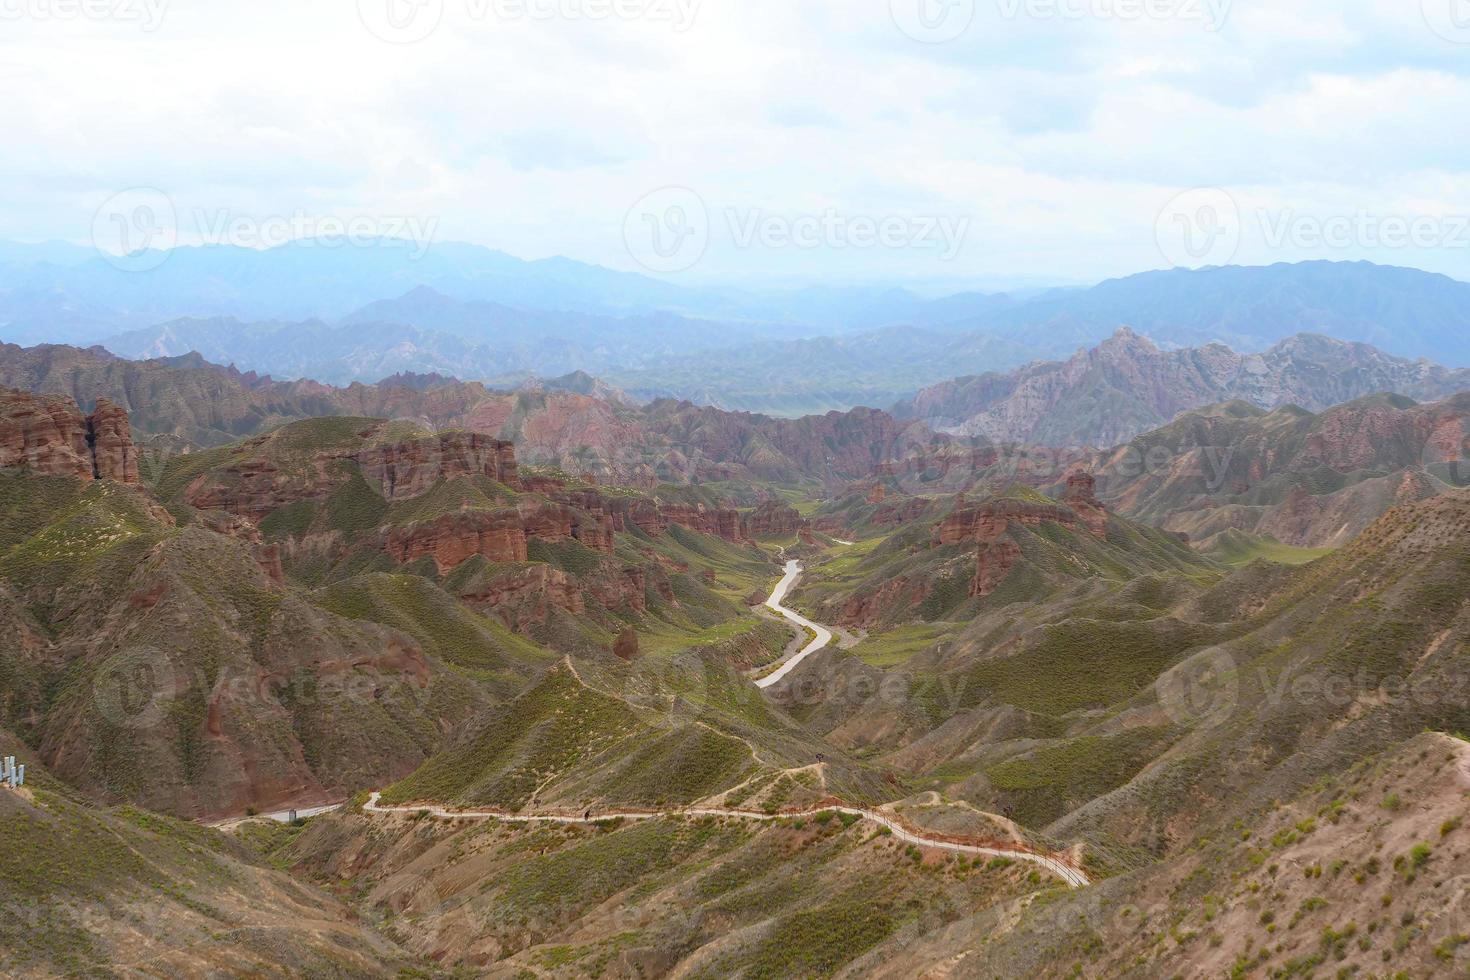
x=956 y=141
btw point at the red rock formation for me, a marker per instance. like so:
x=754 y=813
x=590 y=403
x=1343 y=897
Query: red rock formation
x=990 y=519
x=525 y=595
x=989 y=524
x=1081 y=496
x=626 y=646
x=50 y=435
x=554 y=522
x=408 y=469
x=619 y=588
x=455 y=538
x=259 y=484
x=901 y=511
x=773 y=519
x=114 y=456
x=721 y=522
x=647 y=517
x=994 y=562
x=44 y=434
x=877 y=493
x=268 y=557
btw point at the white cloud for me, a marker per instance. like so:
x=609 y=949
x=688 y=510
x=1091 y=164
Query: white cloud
x=1058 y=138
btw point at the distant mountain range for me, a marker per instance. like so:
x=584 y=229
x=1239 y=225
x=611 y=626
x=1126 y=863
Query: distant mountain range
x=359 y=314
x=1127 y=386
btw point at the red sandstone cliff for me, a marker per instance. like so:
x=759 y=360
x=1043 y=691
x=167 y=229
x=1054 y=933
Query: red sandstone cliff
x=50 y=435
x=989 y=524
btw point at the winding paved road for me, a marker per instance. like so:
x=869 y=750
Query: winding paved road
x=1073 y=876
x=1063 y=869
x=824 y=635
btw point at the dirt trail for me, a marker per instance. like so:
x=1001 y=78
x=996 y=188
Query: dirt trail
x=1059 y=866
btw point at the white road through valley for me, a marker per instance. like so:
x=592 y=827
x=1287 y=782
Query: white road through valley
x=824 y=635
x=1057 y=865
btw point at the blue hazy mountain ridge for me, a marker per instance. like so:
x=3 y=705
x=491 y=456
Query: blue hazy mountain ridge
x=61 y=292
x=1406 y=312
x=344 y=314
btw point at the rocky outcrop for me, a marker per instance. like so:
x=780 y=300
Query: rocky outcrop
x=989 y=524
x=554 y=522
x=47 y=435
x=51 y=435
x=524 y=596
x=114 y=457
x=773 y=519
x=994 y=562
x=266 y=475
x=408 y=469
x=901 y=511
x=626 y=646
x=720 y=522
x=498 y=536
x=990 y=520
x=1081 y=498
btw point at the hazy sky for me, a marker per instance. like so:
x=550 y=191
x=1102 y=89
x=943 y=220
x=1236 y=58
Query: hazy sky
x=939 y=139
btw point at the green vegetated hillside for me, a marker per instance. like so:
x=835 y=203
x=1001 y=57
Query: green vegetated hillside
x=1162 y=719
x=86 y=889
x=1229 y=737
x=705 y=898
x=267 y=647
x=159 y=663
